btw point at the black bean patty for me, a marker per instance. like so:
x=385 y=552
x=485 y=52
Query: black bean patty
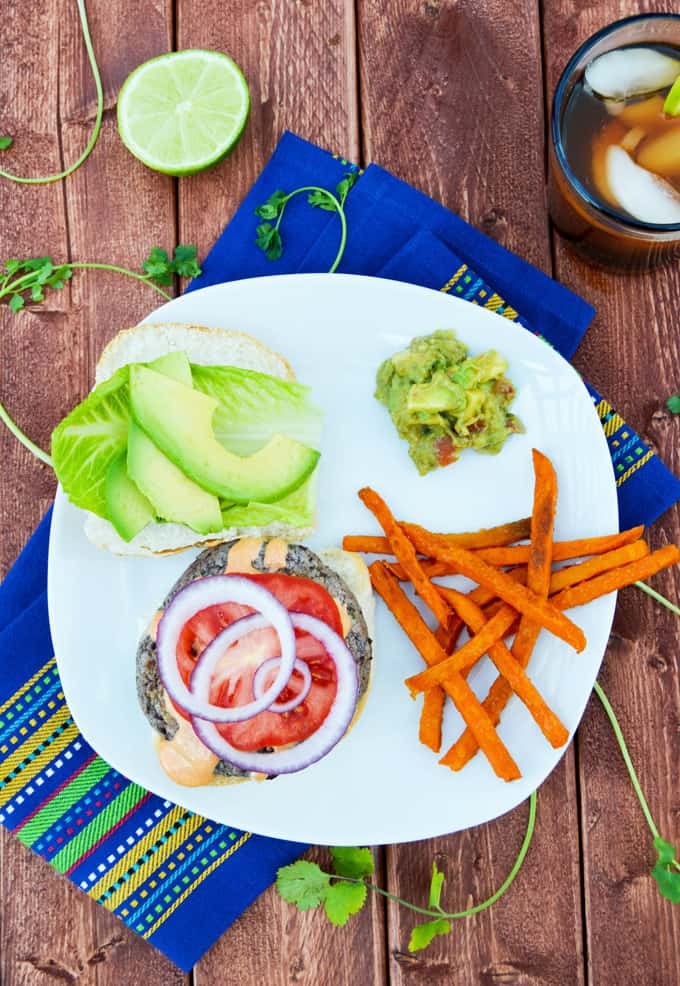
x=300 y=561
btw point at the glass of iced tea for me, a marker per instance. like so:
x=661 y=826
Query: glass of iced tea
x=614 y=171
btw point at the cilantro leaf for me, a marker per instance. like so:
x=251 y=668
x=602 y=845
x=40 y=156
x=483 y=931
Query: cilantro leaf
x=16 y=303
x=422 y=934
x=158 y=266
x=12 y=266
x=342 y=900
x=303 y=884
x=344 y=187
x=269 y=240
x=37 y=293
x=673 y=404
x=665 y=873
x=272 y=207
x=5 y=142
x=320 y=200
x=352 y=861
x=184 y=261
x=436 y=885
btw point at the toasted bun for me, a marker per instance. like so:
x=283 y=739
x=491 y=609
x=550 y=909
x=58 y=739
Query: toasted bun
x=343 y=574
x=209 y=347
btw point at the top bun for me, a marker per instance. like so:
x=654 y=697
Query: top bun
x=209 y=347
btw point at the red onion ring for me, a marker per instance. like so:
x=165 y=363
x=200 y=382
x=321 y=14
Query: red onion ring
x=316 y=746
x=213 y=591
x=300 y=666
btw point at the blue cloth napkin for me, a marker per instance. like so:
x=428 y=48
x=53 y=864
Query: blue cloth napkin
x=175 y=878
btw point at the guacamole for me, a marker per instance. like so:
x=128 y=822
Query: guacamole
x=442 y=401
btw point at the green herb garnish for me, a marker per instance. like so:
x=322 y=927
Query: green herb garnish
x=344 y=891
x=666 y=871
x=6 y=142
x=673 y=404
x=27 y=281
x=268 y=233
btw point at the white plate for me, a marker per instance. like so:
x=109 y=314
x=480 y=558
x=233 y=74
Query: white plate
x=379 y=785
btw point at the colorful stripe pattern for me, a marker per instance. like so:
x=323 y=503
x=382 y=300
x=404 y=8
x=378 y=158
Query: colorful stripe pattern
x=629 y=453
x=137 y=855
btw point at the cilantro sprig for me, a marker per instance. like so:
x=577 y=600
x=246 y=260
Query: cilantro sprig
x=27 y=282
x=345 y=889
x=269 y=238
x=673 y=404
x=666 y=870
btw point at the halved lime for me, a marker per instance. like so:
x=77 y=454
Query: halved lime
x=184 y=111
x=671 y=105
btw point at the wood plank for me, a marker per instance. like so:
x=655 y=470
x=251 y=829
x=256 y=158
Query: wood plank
x=464 y=82
x=111 y=210
x=299 y=60
x=300 y=64
x=632 y=355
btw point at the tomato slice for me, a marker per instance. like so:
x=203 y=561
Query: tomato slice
x=232 y=683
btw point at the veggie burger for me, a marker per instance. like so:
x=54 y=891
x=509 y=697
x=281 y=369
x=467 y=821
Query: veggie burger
x=257 y=661
x=258 y=658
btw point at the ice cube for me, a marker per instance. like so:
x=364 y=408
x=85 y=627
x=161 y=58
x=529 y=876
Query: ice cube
x=629 y=72
x=661 y=153
x=643 y=195
x=632 y=139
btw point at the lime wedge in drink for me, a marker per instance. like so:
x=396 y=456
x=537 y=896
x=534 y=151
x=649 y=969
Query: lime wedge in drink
x=184 y=111
x=671 y=105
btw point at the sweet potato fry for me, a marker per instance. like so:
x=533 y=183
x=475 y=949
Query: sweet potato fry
x=405 y=554
x=570 y=575
x=519 y=597
x=430 y=729
x=490 y=537
x=466 y=656
x=456 y=687
x=617 y=578
x=642 y=567
x=513 y=673
x=518 y=554
x=431 y=567
x=540 y=551
x=573 y=574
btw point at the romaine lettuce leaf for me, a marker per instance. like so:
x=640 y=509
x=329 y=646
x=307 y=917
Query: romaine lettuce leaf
x=86 y=442
x=295 y=510
x=254 y=406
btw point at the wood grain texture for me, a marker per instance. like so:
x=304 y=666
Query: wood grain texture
x=276 y=945
x=111 y=210
x=300 y=62
x=464 y=81
x=632 y=354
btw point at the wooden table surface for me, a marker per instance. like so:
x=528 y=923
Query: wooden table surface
x=451 y=95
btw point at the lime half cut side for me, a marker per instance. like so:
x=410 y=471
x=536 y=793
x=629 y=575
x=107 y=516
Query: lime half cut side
x=184 y=111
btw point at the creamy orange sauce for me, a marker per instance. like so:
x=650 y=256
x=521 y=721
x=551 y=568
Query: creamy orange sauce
x=275 y=554
x=184 y=758
x=153 y=626
x=243 y=554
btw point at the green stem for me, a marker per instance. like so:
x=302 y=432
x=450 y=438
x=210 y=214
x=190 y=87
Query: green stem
x=144 y=278
x=338 y=208
x=47 y=179
x=24 y=439
x=611 y=715
x=531 y=823
x=659 y=598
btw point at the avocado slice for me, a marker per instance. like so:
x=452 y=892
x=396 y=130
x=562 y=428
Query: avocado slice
x=126 y=506
x=173 y=495
x=175 y=365
x=179 y=421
